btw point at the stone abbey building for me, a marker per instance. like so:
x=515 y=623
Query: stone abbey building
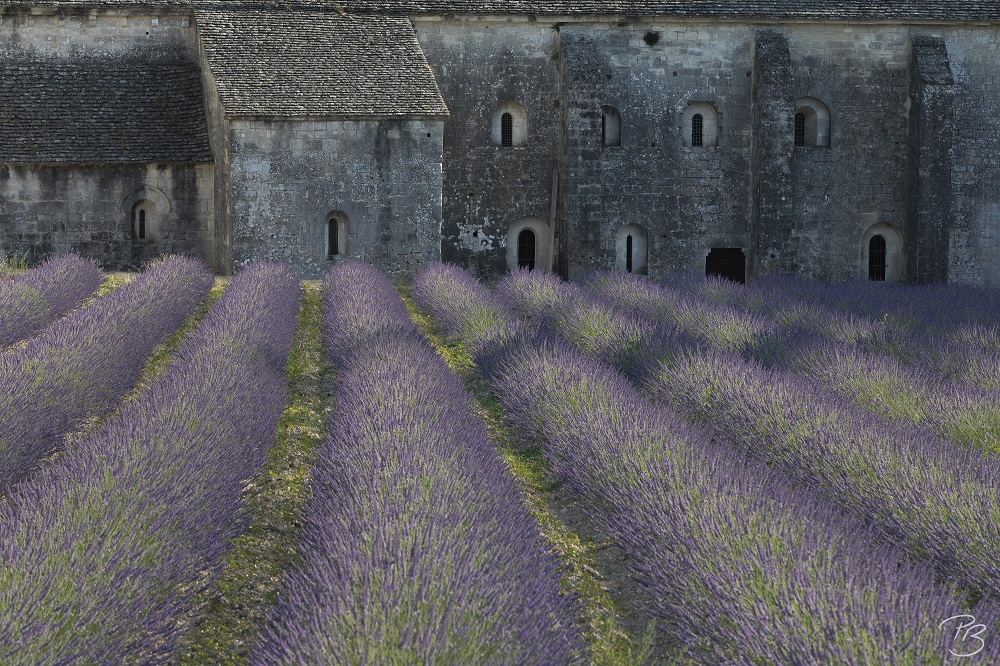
x=824 y=138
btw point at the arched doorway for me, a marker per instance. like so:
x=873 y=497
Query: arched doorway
x=881 y=254
x=528 y=244
x=526 y=249
x=727 y=262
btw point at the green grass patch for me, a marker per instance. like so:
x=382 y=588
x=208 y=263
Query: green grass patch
x=609 y=642
x=240 y=601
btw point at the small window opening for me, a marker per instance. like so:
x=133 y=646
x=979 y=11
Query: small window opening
x=332 y=242
x=800 y=129
x=876 y=258
x=507 y=130
x=142 y=224
x=628 y=253
x=526 y=249
x=697 y=129
x=336 y=235
x=611 y=127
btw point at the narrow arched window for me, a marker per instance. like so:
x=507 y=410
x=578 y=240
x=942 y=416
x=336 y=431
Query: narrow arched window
x=611 y=127
x=876 y=258
x=628 y=253
x=697 y=129
x=336 y=235
x=143 y=221
x=811 y=123
x=526 y=249
x=506 y=130
x=332 y=240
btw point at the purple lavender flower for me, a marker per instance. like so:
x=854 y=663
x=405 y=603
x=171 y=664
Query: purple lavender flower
x=105 y=551
x=417 y=546
x=83 y=364
x=31 y=301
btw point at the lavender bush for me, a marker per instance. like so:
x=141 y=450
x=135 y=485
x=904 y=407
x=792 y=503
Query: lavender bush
x=745 y=568
x=104 y=553
x=927 y=494
x=417 y=547
x=82 y=365
x=31 y=301
x=948 y=388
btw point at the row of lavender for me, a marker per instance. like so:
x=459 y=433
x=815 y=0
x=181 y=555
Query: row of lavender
x=744 y=566
x=929 y=495
x=83 y=364
x=105 y=551
x=933 y=361
x=417 y=548
x=31 y=301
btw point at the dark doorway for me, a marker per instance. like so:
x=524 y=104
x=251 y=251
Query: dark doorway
x=628 y=253
x=727 y=262
x=526 y=249
x=876 y=258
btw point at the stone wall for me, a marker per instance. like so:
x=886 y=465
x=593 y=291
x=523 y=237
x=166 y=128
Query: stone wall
x=490 y=189
x=863 y=178
x=974 y=231
x=84 y=33
x=89 y=209
x=219 y=132
x=289 y=176
x=688 y=199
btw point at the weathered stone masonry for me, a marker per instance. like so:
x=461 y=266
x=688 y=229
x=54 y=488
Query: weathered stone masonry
x=649 y=136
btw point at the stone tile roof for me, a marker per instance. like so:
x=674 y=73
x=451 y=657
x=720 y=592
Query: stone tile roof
x=937 y=10
x=934 y=10
x=298 y=63
x=101 y=111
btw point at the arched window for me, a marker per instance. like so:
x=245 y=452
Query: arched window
x=336 y=235
x=876 y=258
x=700 y=125
x=631 y=248
x=528 y=244
x=506 y=130
x=611 y=127
x=510 y=125
x=142 y=220
x=526 y=249
x=697 y=129
x=882 y=253
x=811 y=128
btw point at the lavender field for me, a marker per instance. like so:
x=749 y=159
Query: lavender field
x=255 y=470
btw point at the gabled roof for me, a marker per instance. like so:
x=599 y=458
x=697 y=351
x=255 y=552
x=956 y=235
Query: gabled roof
x=301 y=63
x=101 y=110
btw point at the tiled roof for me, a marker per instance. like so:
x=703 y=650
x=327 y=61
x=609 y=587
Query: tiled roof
x=934 y=10
x=285 y=63
x=937 y=10
x=101 y=110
